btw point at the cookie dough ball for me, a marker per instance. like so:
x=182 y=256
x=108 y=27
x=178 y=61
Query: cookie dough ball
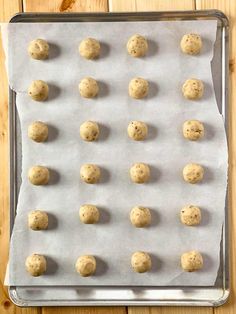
x=193 y=173
x=88 y=214
x=137 y=46
x=193 y=89
x=38 y=175
x=140 y=216
x=38 y=131
x=139 y=173
x=38 y=49
x=36 y=265
x=190 y=215
x=89 y=48
x=90 y=173
x=37 y=220
x=89 y=131
x=191 y=44
x=137 y=130
x=193 y=130
x=191 y=261
x=138 y=88
x=141 y=262
x=86 y=265
x=38 y=90
x=88 y=87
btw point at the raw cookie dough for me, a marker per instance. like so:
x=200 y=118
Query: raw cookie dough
x=37 y=220
x=38 y=49
x=191 y=44
x=193 y=130
x=137 y=46
x=193 y=89
x=191 y=261
x=88 y=87
x=38 y=131
x=36 y=265
x=88 y=214
x=141 y=262
x=89 y=48
x=86 y=265
x=89 y=131
x=137 y=130
x=90 y=173
x=193 y=173
x=139 y=173
x=190 y=215
x=38 y=90
x=140 y=216
x=138 y=88
x=38 y=175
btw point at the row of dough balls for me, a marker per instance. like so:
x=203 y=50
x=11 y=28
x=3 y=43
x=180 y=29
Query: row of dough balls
x=137 y=46
x=137 y=130
x=192 y=89
x=139 y=173
x=140 y=216
x=141 y=262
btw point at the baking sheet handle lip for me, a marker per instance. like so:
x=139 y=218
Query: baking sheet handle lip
x=24 y=303
x=159 y=14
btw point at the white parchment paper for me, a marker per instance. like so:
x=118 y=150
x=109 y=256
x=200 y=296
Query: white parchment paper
x=113 y=239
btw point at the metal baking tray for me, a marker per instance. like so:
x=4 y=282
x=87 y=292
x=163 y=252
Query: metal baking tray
x=109 y=295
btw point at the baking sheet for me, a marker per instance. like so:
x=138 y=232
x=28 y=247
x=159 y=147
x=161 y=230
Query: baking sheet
x=114 y=240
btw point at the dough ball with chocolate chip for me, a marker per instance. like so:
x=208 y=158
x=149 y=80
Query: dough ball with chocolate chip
x=193 y=89
x=139 y=173
x=137 y=46
x=38 y=131
x=88 y=87
x=138 y=88
x=38 y=90
x=36 y=265
x=86 y=265
x=193 y=173
x=137 y=130
x=191 y=44
x=89 y=48
x=190 y=215
x=191 y=261
x=89 y=131
x=37 y=220
x=193 y=130
x=38 y=49
x=141 y=262
x=90 y=173
x=88 y=214
x=38 y=175
x=140 y=216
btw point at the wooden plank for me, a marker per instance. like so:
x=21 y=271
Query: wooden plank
x=229 y=8
x=167 y=310
x=150 y=5
x=85 y=310
x=65 y=6
x=157 y=5
x=74 y=6
x=7 y=10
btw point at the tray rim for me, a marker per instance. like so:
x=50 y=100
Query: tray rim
x=111 y=17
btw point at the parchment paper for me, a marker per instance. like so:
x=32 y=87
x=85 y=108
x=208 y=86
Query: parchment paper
x=113 y=239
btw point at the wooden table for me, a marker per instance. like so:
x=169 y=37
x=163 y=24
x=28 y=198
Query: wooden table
x=9 y=8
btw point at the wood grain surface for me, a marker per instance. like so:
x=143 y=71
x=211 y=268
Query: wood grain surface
x=9 y=8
